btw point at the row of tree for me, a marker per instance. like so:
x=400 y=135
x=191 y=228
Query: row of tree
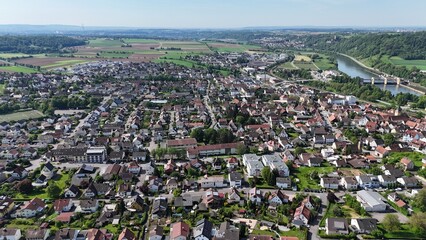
x=37 y=44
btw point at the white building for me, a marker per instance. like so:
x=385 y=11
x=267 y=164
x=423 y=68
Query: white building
x=371 y=201
x=275 y=162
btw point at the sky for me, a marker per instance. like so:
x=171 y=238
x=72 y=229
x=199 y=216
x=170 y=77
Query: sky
x=215 y=13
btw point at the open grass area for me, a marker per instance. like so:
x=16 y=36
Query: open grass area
x=105 y=42
x=18 y=69
x=302 y=58
x=404 y=233
x=2 y=87
x=13 y=55
x=420 y=64
x=185 y=63
x=304 y=176
x=115 y=54
x=324 y=64
x=41 y=193
x=307 y=65
x=416 y=157
x=287 y=65
x=231 y=47
x=139 y=40
x=24 y=115
x=301 y=234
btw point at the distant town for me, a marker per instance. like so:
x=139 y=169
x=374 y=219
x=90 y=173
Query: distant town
x=120 y=138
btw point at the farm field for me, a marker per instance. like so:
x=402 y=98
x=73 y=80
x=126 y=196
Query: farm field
x=12 y=55
x=287 y=65
x=19 y=69
x=309 y=66
x=420 y=64
x=24 y=115
x=231 y=47
x=299 y=58
x=52 y=62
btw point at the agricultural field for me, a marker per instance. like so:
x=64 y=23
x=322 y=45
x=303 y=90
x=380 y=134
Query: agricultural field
x=288 y=65
x=13 y=55
x=18 y=69
x=24 y=115
x=300 y=58
x=308 y=65
x=52 y=62
x=420 y=64
x=231 y=47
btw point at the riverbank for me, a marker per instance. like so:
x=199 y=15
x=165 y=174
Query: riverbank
x=414 y=87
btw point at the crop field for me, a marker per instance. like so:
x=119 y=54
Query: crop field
x=19 y=69
x=231 y=47
x=420 y=64
x=13 y=55
x=53 y=62
x=31 y=114
x=308 y=66
x=299 y=58
x=104 y=42
x=287 y=65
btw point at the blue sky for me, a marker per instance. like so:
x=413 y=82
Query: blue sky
x=215 y=13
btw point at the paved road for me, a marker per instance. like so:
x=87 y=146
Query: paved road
x=209 y=108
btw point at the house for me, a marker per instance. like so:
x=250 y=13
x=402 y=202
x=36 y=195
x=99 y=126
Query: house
x=278 y=198
x=96 y=154
x=156 y=233
x=37 y=234
x=336 y=226
x=19 y=173
x=68 y=234
x=62 y=205
x=32 y=208
x=89 y=206
x=10 y=234
x=227 y=231
x=232 y=163
x=182 y=143
x=283 y=182
x=203 y=230
x=254 y=168
x=135 y=204
x=349 y=183
x=407 y=164
x=387 y=180
x=371 y=201
x=363 y=225
x=302 y=216
x=381 y=152
x=275 y=162
x=212 y=182
x=408 y=182
x=179 y=231
x=329 y=183
x=234 y=196
x=6 y=206
x=171 y=184
x=159 y=207
x=126 y=234
x=235 y=179
x=134 y=168
x=48 y=170
x=139 y=156
x=367 y=181
x=71 y=192
x=254 y=195
x=212 y=199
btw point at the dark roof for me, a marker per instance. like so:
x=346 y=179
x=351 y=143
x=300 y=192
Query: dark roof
x=235 y=176
x=367 y=224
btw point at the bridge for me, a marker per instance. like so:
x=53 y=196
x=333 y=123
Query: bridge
x=383 y=81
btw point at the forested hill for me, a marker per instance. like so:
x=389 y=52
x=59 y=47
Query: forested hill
x=37 y=44
x=408 y=46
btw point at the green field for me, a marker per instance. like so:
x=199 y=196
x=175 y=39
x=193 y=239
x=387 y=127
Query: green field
x=420 y=64
x=139 y=40
x=308 y=66
x=2 y=86
x=185 y=63
x=231 y=47
x=287 y=65
x=12 y=55
x=19 y=69
x=21 y=116
x=304 y=173
x=115 y=54
x=104 y=42
x=395 y=157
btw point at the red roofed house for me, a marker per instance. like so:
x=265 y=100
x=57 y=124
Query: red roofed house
x=381 y=152
x=301 y=216
x=31 y=208
x=126 y=234
x=62 y=205
x=407 y=163
x=179 y=231
x=182 y=143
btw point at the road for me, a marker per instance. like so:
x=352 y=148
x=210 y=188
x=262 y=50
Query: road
x=209 y=108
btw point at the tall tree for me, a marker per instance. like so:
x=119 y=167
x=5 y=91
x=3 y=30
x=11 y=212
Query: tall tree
x=391 y=222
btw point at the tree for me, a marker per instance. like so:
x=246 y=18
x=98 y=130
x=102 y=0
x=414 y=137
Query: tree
x=337 y=211
x=267 y=174
x=299 y=150
x=388 y=139
x=241 y=149
x=391 y=222
x=198 y=134
x=53 y=191
x=25 y=186
x=420 y=200
x=177 y=192
x=331 y=197
x=418 y=223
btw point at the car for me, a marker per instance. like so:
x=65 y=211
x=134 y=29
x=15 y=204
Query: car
x=398 y=189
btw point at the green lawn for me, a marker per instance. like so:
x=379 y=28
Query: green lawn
x=303 y=174
x=416 y=157
x=301 y=234
x=21 y=116
x=324 y=64
x=139 y=40
x=2 y=87
x=41 y=193
x=19 y=69
x=404 y=233
x=308 y=66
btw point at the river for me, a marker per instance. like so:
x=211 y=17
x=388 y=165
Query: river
x=353 y=69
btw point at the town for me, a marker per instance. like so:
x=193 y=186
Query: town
x=142 y=150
